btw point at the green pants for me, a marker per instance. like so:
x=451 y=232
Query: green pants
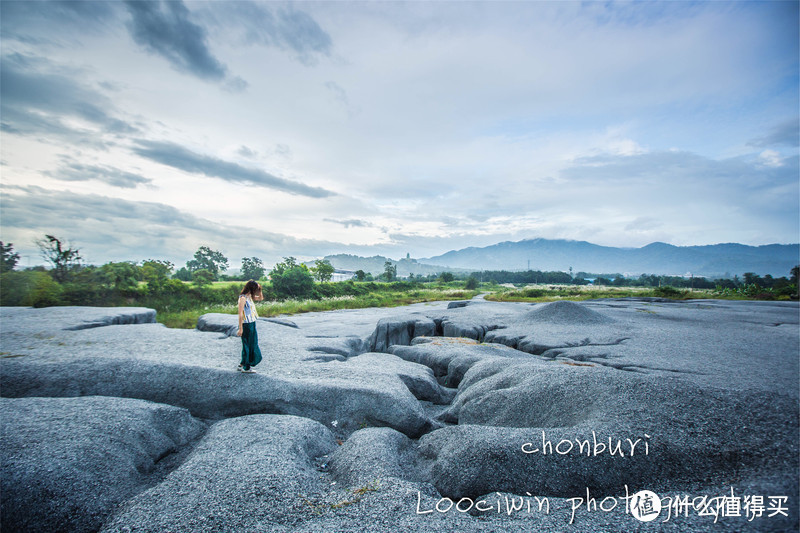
x=251 y=354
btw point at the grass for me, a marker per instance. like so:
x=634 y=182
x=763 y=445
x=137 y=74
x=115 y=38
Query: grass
x=188 y=318
x=386 y=297
x=551 y=293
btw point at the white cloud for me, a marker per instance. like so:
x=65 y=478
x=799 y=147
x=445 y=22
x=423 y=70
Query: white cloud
x=415 y=127
x=771 y=158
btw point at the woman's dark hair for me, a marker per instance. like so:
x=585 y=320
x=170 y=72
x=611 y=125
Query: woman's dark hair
x=252 y=288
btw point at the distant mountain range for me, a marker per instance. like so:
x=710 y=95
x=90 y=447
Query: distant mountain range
x=715 y=260
x=712 y=261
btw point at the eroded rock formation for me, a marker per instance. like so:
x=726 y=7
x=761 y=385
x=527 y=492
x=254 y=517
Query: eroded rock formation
x=376 y=419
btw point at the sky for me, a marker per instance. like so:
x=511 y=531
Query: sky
x=138 y=130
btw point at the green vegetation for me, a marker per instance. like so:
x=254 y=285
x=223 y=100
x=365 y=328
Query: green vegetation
x=181 y=298
x=252 y=268
x=291 y=280
x=63 y=259
x=366 y=295
x=180 y=303
x=389 y=271
x=209 y=260
x=323 y=270
x=549 y=293
x=8 y=257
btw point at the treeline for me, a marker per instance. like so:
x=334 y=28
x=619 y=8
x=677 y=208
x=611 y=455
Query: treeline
x=153 y=283
x=92 y=287
x=750 y=284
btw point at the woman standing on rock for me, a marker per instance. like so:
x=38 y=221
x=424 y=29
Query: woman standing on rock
x=251 y=354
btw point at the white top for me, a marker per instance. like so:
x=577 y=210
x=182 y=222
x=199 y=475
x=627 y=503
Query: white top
x=250 y=313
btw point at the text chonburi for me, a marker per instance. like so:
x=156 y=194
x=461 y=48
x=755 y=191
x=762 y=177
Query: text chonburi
x=588 y=447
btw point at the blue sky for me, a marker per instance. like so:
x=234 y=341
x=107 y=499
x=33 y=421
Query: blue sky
x=143 y=130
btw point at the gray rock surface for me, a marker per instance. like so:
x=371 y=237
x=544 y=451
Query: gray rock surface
x=197 y=370
x=670 y=418
x=567 y=313
x=424 y=419
x=68 y=462
x=451 y=357
x=372 y=454
x=251 y=473
x=399 y=330
x=29 y=320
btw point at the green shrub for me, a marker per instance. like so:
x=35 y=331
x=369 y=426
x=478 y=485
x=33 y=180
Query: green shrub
x=183 y=274
x=202 y=277
x=46 y=291
x=16 y=287
x=668 y=292
x=123 y=276
x=533 y=293
x=295 y=282
x=446 y=277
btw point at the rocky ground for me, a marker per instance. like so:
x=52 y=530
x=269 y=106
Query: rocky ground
x=467 y=416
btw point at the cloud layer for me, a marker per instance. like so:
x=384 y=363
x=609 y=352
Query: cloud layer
x=397 y=128
x=165 y=28
x=108 y=229
x=176 y=156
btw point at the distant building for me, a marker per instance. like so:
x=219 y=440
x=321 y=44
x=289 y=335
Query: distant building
x=343 y=275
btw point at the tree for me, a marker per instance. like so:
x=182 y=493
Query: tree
x=183 y=274
x=45 y=291
x=446 y=277
x=361 y=275
x=390 y=270
x=63 y=260
x=291 y=279
x=9 y=259
x=471 y=284
x=252 y=268
x=751 y=278
x=124 y=277
x=207 y=259
x=286 y=264
x=323 y=270
x=202 y=277
x=156 y=273
x=293 y=283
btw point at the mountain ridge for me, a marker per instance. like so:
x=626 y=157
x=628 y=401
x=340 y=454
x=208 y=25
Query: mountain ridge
x=711 y=260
